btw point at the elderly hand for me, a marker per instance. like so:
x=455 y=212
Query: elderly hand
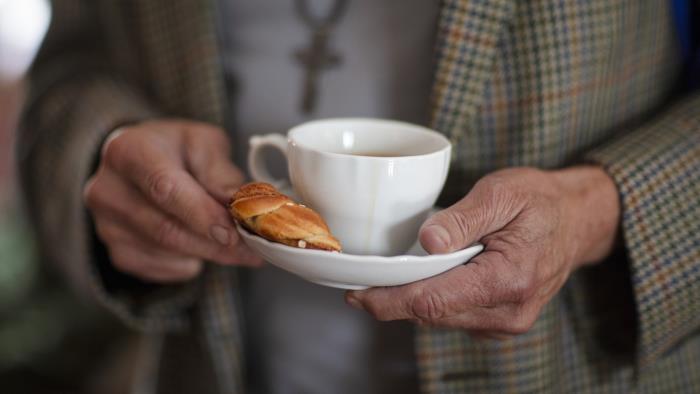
x=158 y=200
x=536 y=226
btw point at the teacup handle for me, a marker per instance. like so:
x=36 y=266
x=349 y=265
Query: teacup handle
x=256 y=161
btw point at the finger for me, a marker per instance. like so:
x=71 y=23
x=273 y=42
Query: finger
x=164 y=182
x=152 y=266
x=471 y=293
x=243 y=255
x=489 y=207
x=125 y=214
x=207 y=154
x=115 y=230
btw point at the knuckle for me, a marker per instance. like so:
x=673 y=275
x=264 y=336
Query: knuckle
x=167 y=233
x=481 y=292
x=161 y=187
x=519 y=289
x=520 y=324
x=460 y=221
x=429 y=306
x=484 y=297
x=96 y=196
x=107 y=232
x=500 y=193
x=90 y=195
x=496 y=184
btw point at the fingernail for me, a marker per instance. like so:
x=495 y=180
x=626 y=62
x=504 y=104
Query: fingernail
x=353 y=302
x=436 y=238
x=220 y=234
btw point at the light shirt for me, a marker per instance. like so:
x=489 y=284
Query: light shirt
x=301 y=337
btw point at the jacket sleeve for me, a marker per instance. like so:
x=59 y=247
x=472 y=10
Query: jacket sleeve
x=76 y=98
x=657 y=172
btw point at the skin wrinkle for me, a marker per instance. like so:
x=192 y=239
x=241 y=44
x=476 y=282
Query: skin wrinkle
x=428 y=306
x=168 y=233
x=499 y=244
x=119 y=210
x=535 y=224
x=478 y=289
x=161 y=188
x=197 y=209
x=153 y=214
x=508 y=202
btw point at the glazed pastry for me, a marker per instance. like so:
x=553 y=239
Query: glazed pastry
x=260 y=208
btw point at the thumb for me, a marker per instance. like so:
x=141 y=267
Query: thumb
x=478 y=214
x=210 y=164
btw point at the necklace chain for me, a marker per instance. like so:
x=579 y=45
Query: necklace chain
x=315 y=22
x=317 y=56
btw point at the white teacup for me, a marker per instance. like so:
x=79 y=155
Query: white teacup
x=373 y=181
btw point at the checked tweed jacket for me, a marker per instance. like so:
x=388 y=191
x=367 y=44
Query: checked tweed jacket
x=544 y=83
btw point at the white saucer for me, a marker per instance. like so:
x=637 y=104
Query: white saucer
x=357 y=272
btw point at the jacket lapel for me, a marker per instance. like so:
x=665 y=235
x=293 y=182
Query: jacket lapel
x=467 y=42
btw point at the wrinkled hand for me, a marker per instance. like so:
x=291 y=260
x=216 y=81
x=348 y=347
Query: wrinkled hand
x=536 y=226
x=158 y=200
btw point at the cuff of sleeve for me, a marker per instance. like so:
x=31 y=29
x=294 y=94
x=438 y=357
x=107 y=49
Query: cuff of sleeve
x=657 y=172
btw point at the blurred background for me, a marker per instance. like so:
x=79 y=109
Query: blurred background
x=50 y=341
